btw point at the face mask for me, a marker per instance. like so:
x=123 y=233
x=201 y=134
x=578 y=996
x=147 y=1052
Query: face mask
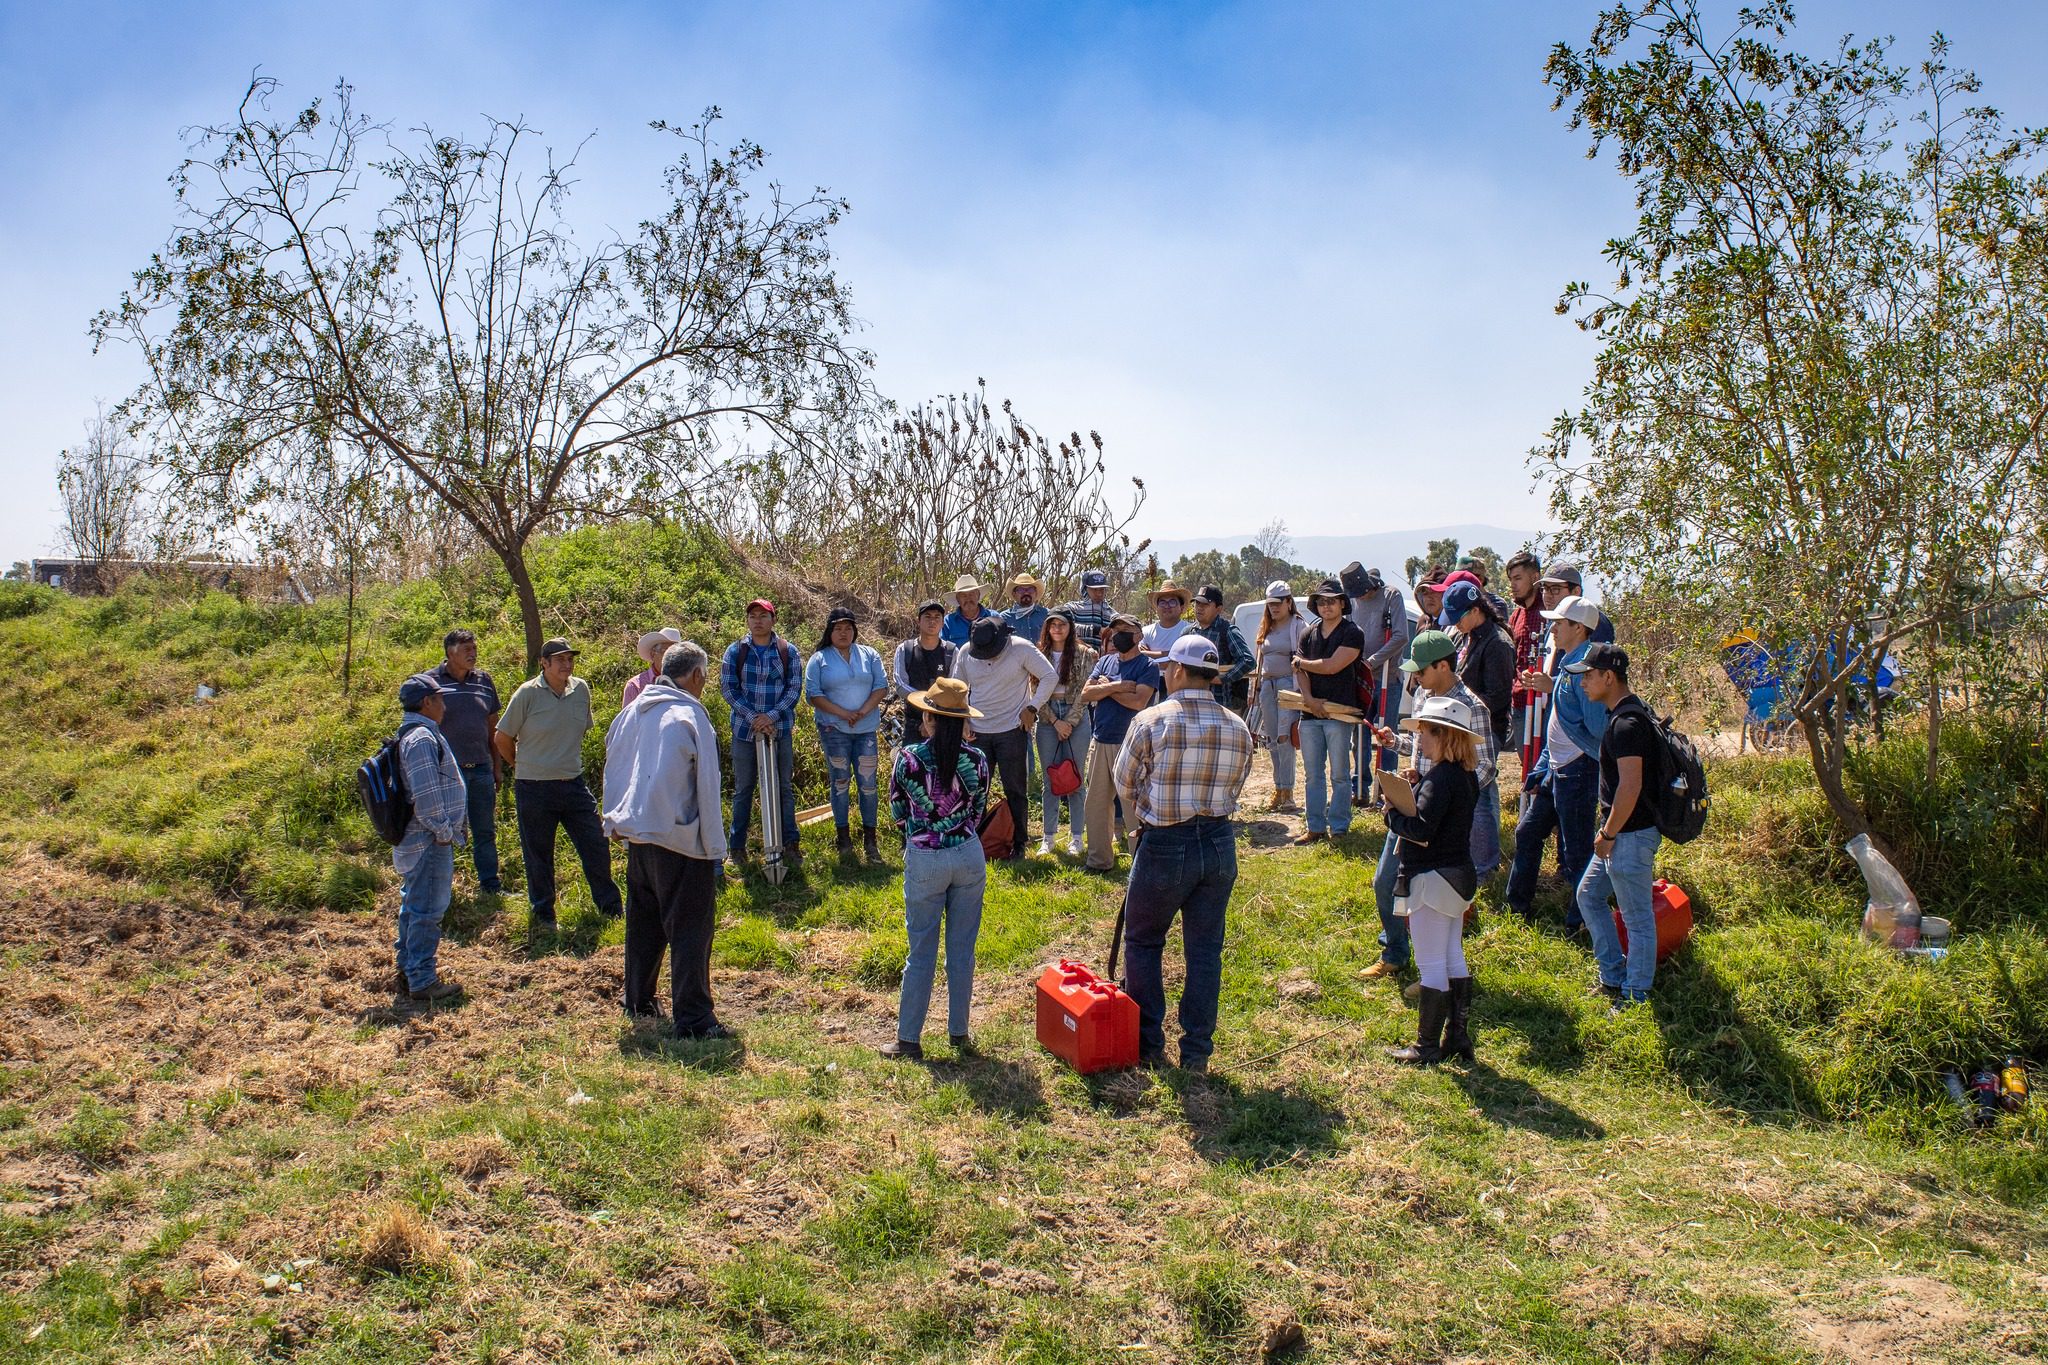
x=1124 y=641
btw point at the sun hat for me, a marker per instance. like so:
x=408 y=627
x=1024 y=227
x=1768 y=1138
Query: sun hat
x=1428 y=647
x=1195 y=651
x=1168 y=589
x=1023 y=580
x=1330 y=587
x=1605 y=657
x=1459 y=598
x=1448 y=712
x=417 y=689
x=990 y=636
x=762 y=604
x=1278 y=590
x=556 y=646
x=1564 y=571
x=945 y=697
x=1094 y=578
x=658 y=640
x=966 y=583
x=1577 y=610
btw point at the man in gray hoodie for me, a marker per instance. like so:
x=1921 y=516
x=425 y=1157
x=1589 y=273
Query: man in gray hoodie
x=661 y=801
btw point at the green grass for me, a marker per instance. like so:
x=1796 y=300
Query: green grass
x=1765 y=1152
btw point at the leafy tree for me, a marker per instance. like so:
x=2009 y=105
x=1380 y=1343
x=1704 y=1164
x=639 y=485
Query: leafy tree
x=329 y=287
x=1819 y=407
x=105 y=501
x=1243 y=576
x=1441 y=554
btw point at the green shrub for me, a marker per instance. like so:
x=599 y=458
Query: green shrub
x=25 y=599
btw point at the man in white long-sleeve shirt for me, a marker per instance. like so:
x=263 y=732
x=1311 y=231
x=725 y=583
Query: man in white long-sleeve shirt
x=425 y=856
x=661 y=801
x=1007 y=681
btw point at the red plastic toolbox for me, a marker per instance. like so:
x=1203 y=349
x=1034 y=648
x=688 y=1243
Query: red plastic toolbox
x=1087 y=1022
x=1674 y=918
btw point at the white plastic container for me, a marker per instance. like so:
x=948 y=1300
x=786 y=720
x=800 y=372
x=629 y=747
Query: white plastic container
x=1893 y=914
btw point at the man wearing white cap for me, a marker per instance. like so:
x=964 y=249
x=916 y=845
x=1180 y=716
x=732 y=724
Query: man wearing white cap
x=967 y=611
x=1564 y=786
x=652 y=646
x=1179 y=770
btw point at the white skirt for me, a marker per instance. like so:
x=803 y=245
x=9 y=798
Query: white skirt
x=1429 y=891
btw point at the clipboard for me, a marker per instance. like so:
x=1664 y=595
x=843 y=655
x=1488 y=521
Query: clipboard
x=1399 y=791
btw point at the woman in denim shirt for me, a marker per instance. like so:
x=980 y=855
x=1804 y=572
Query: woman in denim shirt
x=938 y=792
x=1063 y=728
x=845 y=683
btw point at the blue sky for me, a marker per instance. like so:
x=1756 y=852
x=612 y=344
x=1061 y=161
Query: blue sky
x=1292 y=261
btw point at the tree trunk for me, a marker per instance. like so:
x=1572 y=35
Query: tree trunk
x=1933 y=715
x=348 y=645
x=1827 y=770
x=513 y=557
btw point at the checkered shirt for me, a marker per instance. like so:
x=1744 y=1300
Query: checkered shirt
x=1484 y=744
x=1183 y=759
x=1091 y=619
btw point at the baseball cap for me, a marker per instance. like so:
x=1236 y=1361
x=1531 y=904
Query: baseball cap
x=1095 y=578
x=1459 y=598
x=1428 y=647
x=931 y=604
x=1575 y=609
x=417 y=689
x=1564 y=571
x=1124 y=618
x=1279 y=590
x=551 y=648
x=1211 y=594
x=1605 y=657
x=1195 y=651
x=761 y=604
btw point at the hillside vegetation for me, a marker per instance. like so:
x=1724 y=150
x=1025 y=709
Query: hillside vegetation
x=204 y=1084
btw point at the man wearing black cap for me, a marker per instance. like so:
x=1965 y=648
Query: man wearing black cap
x=541 y=738
x=1625 y=847
x=1213 y=624
x=921 y=661
x=425 y=857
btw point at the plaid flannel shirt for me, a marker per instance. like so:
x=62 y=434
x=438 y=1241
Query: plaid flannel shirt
x=759 y=679
x=433 y=779
x=1229 y=641
x=1183 y=759
x=1091 y=619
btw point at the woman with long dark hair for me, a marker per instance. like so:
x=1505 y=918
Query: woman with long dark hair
x=1063 y=725
x=845 y=684
x=1280 y=631
x=938 y=792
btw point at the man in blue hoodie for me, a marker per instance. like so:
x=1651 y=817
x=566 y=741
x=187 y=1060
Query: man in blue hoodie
x=661 y=801
x=1564 y=786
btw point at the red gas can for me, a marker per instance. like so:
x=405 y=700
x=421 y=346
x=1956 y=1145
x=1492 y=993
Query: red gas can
x=1674 y=918
x=1087 y=1022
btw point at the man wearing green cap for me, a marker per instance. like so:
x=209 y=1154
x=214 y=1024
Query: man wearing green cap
x=1432 y=667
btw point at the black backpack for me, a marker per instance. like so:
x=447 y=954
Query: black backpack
x=1679 y=799
x=380 y=782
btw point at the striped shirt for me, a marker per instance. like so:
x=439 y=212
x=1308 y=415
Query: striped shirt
x=1184 y=759
x=1091 y=619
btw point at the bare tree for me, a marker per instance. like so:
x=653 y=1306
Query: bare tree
x=105 y=501
x=1273 y=542
x=457 y=326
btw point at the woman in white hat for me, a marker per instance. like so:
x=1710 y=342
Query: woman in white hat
x=938 y=792
x=1280 y=628
x=1437 y=881
x=652 y=646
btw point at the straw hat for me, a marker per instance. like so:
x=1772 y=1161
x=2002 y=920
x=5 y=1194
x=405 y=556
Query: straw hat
x=966 y=583
x=655 y=642
x=1023 y=580
x=945 y=697
x=1169 y=589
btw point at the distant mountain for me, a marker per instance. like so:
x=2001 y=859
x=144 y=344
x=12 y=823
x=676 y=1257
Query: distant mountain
x=1386 y=551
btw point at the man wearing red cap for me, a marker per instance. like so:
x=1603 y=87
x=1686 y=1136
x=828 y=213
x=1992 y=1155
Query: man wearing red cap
x=762 y=679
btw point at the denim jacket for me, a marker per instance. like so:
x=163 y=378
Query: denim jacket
x=1583 y=719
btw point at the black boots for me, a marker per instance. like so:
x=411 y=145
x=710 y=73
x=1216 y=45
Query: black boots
x=868 y=848
x=1433 y=1012
x=845 y=844
x=1457 y=1031
x=1443 y=1028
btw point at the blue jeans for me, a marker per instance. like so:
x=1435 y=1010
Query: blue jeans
x=1393 y=927
x=480 y=789
x=1186 y=869
x=1049 y=753
x=427 y=870
x=1565 y=805
x=940 y=884
x=1624 y=874
x=744 y=780
x=1326 y=753
x=1486 y=831
x=849 y=762
x=1274 y=727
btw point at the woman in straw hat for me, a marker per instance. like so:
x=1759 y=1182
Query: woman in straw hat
x=1436 y=882
x=1280 y=630
x=938 y=792
x=652 y=646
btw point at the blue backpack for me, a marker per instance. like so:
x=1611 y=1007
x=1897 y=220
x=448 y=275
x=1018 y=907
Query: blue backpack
x=380 y=782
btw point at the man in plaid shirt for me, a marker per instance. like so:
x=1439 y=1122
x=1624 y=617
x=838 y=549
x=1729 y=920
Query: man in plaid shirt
x=1179 y=772
x=1432 y=664
x=425 y=857
x=762 y=679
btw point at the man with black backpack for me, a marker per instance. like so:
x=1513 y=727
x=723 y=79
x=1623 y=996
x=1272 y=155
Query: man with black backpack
x=1625 y=847
x=425 y=856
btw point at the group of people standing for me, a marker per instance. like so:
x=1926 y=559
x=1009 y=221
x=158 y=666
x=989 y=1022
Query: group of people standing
x=1127 y=728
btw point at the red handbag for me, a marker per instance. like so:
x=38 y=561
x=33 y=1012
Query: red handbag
x=1062 y=776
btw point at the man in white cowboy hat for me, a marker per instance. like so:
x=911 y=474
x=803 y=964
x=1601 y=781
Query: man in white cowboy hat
x=967 y=610
x=1169 y=605
x=653 y=645
x=1179 y=771
x=1026 y=614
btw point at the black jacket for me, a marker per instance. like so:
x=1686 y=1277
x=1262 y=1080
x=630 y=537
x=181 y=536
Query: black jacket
x=1438 y=837
x=1490 y=672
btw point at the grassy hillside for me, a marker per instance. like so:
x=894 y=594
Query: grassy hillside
x=204 y=1087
